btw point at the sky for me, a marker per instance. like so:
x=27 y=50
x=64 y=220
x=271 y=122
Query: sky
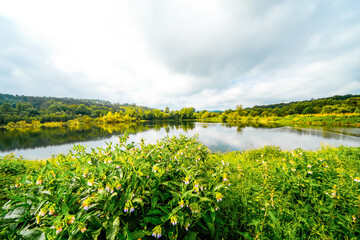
x=206 y=54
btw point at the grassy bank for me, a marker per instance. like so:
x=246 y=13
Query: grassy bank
x=322 y=119
x=177 y=189
x=346 y=119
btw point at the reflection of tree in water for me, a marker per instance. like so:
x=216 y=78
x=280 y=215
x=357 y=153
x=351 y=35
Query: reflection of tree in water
x=239 y=125
x=325 y=132
x=25 y=138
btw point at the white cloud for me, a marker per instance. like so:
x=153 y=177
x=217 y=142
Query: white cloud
x=208 y=54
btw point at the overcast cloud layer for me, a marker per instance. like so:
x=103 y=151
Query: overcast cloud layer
x=206 y=54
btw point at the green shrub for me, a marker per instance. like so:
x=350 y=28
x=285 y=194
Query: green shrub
x=293 y=194
x=171 y=189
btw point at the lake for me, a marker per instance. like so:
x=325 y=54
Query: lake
x=219 y=137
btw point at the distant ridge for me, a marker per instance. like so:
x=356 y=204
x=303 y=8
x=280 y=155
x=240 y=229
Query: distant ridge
x=280 y=105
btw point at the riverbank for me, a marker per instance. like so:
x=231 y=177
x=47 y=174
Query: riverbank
x=178 y=189
x=346 y=119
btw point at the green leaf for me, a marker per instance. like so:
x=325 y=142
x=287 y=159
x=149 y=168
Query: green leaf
x=153 y=220
x=154 y=201
x=139 y=234
x=191 y=236
x=96 y=234
x=95 y=221
x=217 y=187
x=154 y=212
x=65 y=208
x=113 y=229
x=246 y=235
x=209 y=223
x=273 y=218
x=254 y=222
x=34 y=233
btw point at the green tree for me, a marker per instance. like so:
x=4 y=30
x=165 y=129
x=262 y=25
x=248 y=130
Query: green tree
x=83 y=110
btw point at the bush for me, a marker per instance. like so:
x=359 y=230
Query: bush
x=171 y=189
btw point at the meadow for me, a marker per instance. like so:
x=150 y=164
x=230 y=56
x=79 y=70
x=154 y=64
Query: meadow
x=178 y=189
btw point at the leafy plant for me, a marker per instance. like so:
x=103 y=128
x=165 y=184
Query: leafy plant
x=125 y=191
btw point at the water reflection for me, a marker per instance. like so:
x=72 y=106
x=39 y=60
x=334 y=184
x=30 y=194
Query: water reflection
x=38 y=137
x=42 y=143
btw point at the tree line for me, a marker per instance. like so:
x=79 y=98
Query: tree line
x=15 y=108
x=331 y=105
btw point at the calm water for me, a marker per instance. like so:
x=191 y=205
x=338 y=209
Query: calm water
x=42 y=143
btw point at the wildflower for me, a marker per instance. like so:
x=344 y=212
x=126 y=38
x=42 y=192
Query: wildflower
x=38 y=219
x=310 y=172
x=155 y=169
x=223 y=162
x=58 y=229
x=17 y=185
x=51 y=210
x=86 y=203
x=128 y=205
x=333 y=194
x=219 y=197
x=91 y=182
x=217 y=208
x=194 y=208
x=181 y=203
x=117 y=166
x=52 y=173
x=187 y=180
x=321 y=160
x=293 y=169
x=309 y=166
x=225 y=177
x=42 y=212
x=196 y=184
x=173 y=220
x=187 y=225
x=357 y=179
x=100 y=190
x=118 y=186
x=70 y=219
x=108 y=188
x=326 y=166
x=108 y=160
x=39 y=181
x=83 y=228
x=157 y=231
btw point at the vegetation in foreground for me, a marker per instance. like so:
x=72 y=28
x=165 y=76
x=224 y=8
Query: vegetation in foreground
x=177 y=189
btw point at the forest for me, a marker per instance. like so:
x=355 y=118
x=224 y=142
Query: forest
x=39 y=110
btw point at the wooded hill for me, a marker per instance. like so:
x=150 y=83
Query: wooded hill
x=15 y=108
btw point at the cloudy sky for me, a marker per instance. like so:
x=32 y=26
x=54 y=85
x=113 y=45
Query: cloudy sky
x=208 y=54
